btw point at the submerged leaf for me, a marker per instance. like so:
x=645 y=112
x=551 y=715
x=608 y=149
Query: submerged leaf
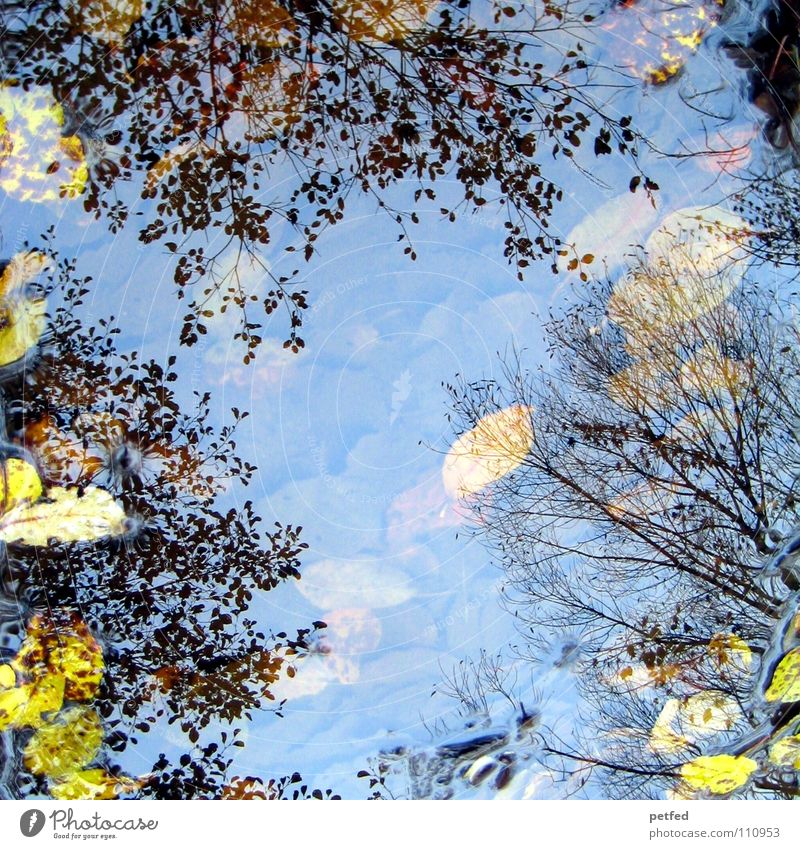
x=67 y=515
x=19 y=483
x=785 y=686
x=718 y=774
x=66 y=745
x=494 y=447
x=786 y=752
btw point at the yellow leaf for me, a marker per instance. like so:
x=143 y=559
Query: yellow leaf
x=683 y=721
x=786 y=752
x=67 y=649
x=22 y=268
x=23 y=706
x=19 y=483
x=718 y=774
x=93 y=784
x=785 y=686
x=67 y=515
x=8 y=677
x=695 y=261
x=66 y=745
x=493 y=448
x=23 y=322
x=708 y=712
x=38 y=163
x=730 y=650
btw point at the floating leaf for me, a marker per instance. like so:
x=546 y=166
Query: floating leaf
x=65 y=745
x=67 y=515
x=24 y=706
x=682 y=721
x=19 y=483
x=37 y=162
x=93 y=784
x=695 y=260
x=23 y=323
x=494 y=447
x=786 y=752
x=718 y=774
x=8 y=677
x=332 y=584
x=22 y=268
x=785 y=686
x=65 y=648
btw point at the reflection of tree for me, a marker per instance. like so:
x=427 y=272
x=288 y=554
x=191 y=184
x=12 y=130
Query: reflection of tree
x=171 y=602
x=223 y=101
x=662 y=472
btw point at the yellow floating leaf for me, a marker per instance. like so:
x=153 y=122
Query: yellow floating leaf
x=81 y=663
x=494 y=447
x=67 y=515
x=718 y=774
x=66 y=648
x=785 y=686
x=683 y=721
x=66 y=745
x=696 y=258
x=786 y=752
x=730 y=650
x=19 y=483
x=8 y=677
x=37 y=162
x=23 y=706
x=22 y=268
x=93 y=784
x=23 y=321
x=709 y=712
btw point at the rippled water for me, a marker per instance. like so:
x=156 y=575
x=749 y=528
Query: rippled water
x=355 y=223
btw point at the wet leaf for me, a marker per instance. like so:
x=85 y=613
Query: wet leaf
x=37 y=162
x=718 y=774
x=785 y=686
x=24 y=706
x=695 y=261
x=22 y=268
x=497 y=445
x=65 y=745
x=23 y=322
x=67 y=515
x=8 y=677
x=93 y=784
x=786 y=752
x=19 y=484
x=683 y=721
